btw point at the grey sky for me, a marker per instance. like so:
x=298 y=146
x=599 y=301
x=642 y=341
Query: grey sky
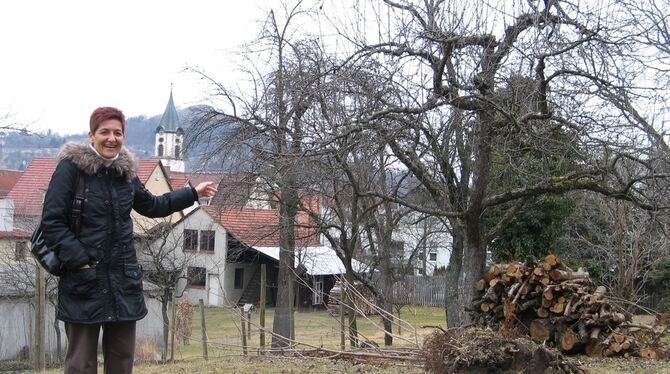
x=62 y=59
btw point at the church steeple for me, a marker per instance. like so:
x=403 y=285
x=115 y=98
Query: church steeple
x=169 y=138
x=170 y=120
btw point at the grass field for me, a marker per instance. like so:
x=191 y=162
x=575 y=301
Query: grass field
x=313 y=329
x=320 y=329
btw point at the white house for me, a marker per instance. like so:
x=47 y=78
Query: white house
x=222 y=251
x=426 y=240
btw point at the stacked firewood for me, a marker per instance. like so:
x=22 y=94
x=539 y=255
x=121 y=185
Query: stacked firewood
x=556 y=306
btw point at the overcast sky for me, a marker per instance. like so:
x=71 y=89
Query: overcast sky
x=62 y=59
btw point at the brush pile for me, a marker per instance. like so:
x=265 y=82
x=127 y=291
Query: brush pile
x=472 y=350
x=559 y=307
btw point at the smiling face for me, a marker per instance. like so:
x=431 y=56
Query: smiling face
x=108 y=138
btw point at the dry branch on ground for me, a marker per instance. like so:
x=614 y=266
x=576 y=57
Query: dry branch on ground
x=468 y=350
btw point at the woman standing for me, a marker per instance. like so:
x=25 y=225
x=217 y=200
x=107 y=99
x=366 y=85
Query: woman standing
x=101 y=286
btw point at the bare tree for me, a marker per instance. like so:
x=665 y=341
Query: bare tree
x=265 y=130
x=452 y=66
x=165 y=263
x=622 y=243
x=7 y=123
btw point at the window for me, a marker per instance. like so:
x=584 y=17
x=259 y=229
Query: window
x=160 y=150
x=432 y=256
x=196 y=276
x=207 y=240
x=20 y=250
x=317 y=292
x=176 y=151
x=190 y=240
x=239 y=278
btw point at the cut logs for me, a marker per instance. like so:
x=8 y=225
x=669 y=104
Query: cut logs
x=555 y=306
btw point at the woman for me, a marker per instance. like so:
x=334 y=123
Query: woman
x=101 y=286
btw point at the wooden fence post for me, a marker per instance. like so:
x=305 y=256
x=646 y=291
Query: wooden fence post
x=202 y=329
x=173 y=322
x=40 y=312
x=244 y=333
x=262 y=306
x=342 y=309
x=249 y=324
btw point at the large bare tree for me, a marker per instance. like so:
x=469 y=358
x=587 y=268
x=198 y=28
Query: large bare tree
x=264 y=129
x=453 y=66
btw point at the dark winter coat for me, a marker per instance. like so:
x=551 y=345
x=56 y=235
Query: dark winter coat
x=112 y=289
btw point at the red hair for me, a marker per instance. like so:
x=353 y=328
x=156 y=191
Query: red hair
x=106 y=113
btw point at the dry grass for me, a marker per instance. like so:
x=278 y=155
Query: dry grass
x=321 y=329
x=313 y=329
x=147 y=350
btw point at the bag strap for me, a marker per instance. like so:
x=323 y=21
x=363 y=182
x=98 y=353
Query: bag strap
x=77 y=205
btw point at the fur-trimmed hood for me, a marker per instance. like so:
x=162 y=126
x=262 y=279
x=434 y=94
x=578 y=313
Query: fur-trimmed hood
x=89 y=162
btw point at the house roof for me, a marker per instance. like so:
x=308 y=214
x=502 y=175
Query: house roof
x=234 y=189
x=178 y=180
x=145 y=168
x=260 y=227
x=318 y=260
x=15 y=234
x=195 y=178
x=258 y=230
x=8 y=179
x=28 y=192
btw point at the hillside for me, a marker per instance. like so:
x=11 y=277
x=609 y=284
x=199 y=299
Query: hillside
x=17 y=150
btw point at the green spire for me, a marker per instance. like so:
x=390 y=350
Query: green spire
x=170 y=120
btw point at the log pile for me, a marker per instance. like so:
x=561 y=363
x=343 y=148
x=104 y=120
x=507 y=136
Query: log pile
x=556 y=306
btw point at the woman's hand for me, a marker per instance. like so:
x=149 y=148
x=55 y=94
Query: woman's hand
x=205 y=189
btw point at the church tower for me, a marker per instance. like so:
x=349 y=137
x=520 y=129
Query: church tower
x=170 y=138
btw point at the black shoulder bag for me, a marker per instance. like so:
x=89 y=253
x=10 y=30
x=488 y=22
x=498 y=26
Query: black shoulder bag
x=45 y=255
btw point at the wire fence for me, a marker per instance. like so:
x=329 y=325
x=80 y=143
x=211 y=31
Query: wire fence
x=418 y=290
x=317 y=326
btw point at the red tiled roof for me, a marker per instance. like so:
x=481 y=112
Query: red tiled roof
x=233 y=188
x=145 y=168
x=197 y=178
x=260 y=227
x=28 y=192
x=8 y=179
x=178 y=181
x=15 y=234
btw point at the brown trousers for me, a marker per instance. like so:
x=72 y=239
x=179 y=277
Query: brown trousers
x=118 y=347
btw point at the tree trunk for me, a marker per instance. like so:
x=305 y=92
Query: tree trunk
x=388 y=324
x=451 y=298
x=387 y=318
x=282 y=323
x=351 y=305
x=474 y=263
x=166 y=323
x=386 y=292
